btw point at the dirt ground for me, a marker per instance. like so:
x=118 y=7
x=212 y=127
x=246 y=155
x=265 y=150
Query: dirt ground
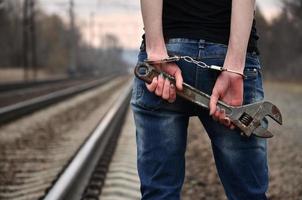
x=285 y=157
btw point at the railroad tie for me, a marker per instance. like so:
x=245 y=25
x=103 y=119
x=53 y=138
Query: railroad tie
x=122 y=182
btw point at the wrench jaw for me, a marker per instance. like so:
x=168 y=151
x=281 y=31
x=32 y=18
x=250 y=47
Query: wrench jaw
x=248 y=118
x=254 y=129
x=262 y=132
x=273 y=111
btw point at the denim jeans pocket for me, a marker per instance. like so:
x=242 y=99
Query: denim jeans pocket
x=253 y=90
x=140 y=94
x=143 y=98
x=251 y=72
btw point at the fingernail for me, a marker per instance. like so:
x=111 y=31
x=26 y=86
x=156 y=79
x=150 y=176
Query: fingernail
x=161 y=75
x=172 y=86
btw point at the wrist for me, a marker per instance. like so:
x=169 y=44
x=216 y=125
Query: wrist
x=234 y=73
x=157 y=53
x=155 y=46
x=235 y=60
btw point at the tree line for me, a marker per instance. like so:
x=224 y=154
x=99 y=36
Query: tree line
x=53 y=44
x=281 y=43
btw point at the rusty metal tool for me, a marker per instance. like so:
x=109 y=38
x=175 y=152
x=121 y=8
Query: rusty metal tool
x=247 y=117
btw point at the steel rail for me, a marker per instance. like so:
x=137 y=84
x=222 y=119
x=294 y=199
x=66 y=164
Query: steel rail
x=20 y=109
x=74 y=179
x=17 y=85
x=26 y=84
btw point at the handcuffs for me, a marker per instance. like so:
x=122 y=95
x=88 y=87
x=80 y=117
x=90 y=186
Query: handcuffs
x=189 y=59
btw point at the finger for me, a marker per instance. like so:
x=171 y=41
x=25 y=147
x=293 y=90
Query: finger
x=232 y=126
x=226 y=121
x=160 y=85
x=172 y=93
x=223 y=119
x=166 y=90
x=216 y=114
x=221 y=116
x=152 y=86
x=213 y=101
x=179 y=79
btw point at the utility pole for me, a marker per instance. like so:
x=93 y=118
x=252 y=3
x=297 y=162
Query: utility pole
x=2 y=4
x=25 y=39
x=32 y=29
x=29 y=39
x=73 y=43
x=91 y=24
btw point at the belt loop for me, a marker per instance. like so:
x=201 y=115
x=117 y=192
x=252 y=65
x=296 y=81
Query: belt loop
x=201 y=44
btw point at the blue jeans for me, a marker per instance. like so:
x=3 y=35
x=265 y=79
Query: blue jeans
x=161 y=130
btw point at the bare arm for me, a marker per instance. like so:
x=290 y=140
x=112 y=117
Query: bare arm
x=156 y=50
x=229 y=86
x=241 y=23
x=152 y=17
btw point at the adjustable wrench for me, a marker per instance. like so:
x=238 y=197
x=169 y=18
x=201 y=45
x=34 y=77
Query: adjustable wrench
x=247 y=117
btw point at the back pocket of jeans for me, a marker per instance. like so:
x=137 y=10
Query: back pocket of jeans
x=144 y=98
x=251 y=72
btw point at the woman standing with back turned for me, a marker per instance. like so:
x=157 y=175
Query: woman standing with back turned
x=219 y=32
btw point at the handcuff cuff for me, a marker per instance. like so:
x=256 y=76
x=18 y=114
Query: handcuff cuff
x=189 y=59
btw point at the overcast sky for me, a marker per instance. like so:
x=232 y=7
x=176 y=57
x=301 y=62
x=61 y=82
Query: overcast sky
x=119 y=17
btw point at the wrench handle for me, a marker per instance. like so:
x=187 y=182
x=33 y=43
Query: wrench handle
x=147 y=72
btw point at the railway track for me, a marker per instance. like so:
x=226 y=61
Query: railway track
x=73 y=165
x=5 y=87
x=18 y=102
x=84 y=177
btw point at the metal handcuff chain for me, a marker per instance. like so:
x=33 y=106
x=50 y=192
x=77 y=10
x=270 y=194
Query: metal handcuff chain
x=192 y=60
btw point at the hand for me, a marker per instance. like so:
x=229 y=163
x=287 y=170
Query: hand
x=229 y=89
x=162 y=87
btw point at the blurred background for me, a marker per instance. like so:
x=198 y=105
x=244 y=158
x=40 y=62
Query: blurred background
x=57 y=44
x=61 y=37
x=41 y=38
